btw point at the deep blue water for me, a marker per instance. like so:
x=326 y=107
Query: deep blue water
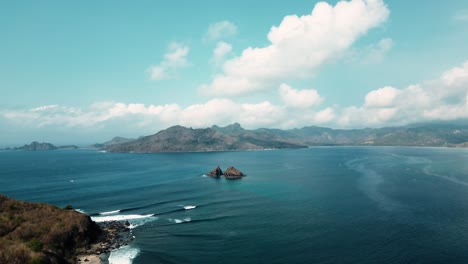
x=317 y=205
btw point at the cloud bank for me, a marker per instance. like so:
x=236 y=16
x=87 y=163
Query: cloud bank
x=445 y=98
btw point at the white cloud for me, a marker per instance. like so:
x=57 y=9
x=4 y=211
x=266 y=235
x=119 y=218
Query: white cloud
x=174 y=59
x=382 y=97
x=298 y=46
x=445 y=98
x=220 y=30
x=325 y=116
x=299 y=98
x=461 y=15
x=221 y=50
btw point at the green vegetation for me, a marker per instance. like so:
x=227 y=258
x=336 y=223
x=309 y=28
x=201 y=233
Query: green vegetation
x=41 y=233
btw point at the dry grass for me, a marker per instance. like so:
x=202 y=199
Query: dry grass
x=41 y=233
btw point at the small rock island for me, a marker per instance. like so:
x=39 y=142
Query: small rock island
x=230 y=173
x=216 y=172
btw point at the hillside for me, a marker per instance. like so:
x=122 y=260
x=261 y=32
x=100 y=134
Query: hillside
x=113 y=141
x=424 y=135
x=182 y=139
x=234 y=137
x=42 y=233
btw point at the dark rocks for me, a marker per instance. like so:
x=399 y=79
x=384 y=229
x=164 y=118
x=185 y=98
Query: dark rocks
x=233 y=173
x=115 y=235
x=217 y=172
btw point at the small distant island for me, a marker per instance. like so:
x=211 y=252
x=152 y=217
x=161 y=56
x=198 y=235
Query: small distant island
x=42 y=233
x=230 y=173
x=36 y=146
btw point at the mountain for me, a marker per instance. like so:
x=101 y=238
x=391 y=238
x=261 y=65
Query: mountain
x=42 y=233
x=182 y=139
x=115 y=140
x=425 y=135
x=234 y=137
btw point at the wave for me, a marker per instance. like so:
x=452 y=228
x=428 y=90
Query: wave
x=110 y=212
x=189 y=207
x=178 y=221
x=80 y=211
x=134 y=220
x=123 y=255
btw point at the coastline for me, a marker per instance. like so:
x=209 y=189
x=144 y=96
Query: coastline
x=115 y=235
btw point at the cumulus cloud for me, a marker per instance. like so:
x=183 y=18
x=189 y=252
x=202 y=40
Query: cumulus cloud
x=445 y=98
x=298 y=46
x=220 y=30
x=174 y=59
x=220 y=51
x=299 y=98
x=382 y=97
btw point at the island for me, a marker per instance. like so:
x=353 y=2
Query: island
x=230 y=173
x=235 y=138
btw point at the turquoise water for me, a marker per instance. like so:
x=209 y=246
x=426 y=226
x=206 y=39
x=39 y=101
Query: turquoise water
x=317 y=205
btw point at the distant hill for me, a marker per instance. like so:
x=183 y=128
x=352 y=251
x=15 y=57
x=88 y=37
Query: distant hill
x=424 y=135
x=115 y=140
x=37 y=146
x=182 y=139
x=234 y=137
x=42 y=233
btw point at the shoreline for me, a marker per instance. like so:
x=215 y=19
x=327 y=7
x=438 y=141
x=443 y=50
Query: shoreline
x=115 y=235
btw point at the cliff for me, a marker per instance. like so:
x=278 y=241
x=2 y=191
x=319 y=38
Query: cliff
x=42 y=233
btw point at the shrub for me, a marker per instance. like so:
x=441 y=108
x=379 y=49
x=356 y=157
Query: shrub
x=35 y=245
x=68 y=207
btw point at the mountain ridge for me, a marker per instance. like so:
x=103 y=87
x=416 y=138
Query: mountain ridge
x=234 y=137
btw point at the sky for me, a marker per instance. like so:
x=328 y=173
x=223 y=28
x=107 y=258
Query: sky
x=79 y=72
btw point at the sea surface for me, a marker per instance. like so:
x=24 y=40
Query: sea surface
x=317 y=205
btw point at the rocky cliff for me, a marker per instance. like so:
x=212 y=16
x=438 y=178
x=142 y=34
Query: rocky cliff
x=42 y=233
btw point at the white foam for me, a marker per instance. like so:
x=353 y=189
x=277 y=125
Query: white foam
x=123 y=255
x=178 y=221
x=110 y=212
x=80 y=211
x=119 y=217
x=188 y=207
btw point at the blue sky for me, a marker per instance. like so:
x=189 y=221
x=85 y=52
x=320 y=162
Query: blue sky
x=84 y=71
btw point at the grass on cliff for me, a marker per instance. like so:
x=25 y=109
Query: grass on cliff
x=41 y=233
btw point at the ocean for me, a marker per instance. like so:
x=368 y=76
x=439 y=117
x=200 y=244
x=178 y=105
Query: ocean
x=317 y=205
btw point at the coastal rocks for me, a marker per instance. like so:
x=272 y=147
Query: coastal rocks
x=217 y=172
x=232 y=173
x=115 y=235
